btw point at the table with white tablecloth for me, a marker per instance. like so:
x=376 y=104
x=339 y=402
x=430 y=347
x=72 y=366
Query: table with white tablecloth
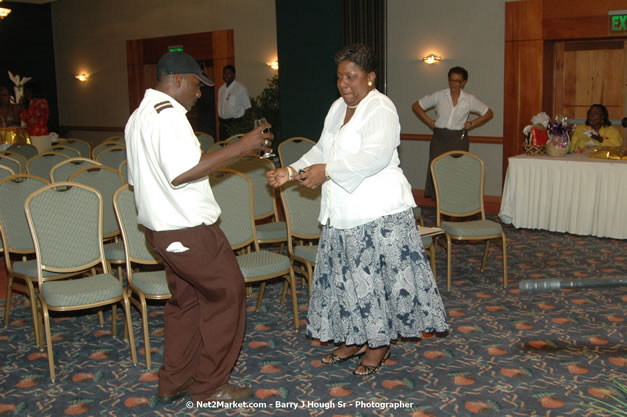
x=574 y=193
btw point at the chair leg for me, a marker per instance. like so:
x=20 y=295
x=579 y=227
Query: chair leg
x=309 y=278
x=262 y=288
x=129 y=324
x=7 y=304
x=33 y=308
x=485 y=255
x=46 y=317
x=284 y=292
x=100 y=318
x=432 y=261
x=292 y=281
x=448 y=262
x=144 y=313
x=114 y=320
x=504 y=242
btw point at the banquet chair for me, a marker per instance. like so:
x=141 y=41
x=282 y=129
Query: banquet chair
x=102 y=146
x=302 y=208
x=42 y=163
x=66 y=150
x=16 y=240
x=25 y=149
x=264 y=199
x=205 y=139
x=234 y=193
x=143 y=285
x=123 y=168
x=15 y=161
x=112 y=156
x=233 y=138
x=5 y=171
x=65 y=222
x=64 y=169
x=427 y=241
x=115 y=139
x=106 y=180
x=290 y=150
x=83 y=147
x=217 y=146
x=459 y=178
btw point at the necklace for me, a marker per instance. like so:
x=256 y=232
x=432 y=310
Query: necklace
x=352 y=107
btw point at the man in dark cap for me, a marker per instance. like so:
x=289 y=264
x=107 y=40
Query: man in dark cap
x=205 y=317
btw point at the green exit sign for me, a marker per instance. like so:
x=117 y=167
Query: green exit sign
x=618 y=21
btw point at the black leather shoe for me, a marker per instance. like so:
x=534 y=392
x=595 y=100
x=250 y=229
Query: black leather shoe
x=183 y=391
x=229 y=392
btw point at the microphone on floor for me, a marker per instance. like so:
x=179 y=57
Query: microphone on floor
x=556 y=284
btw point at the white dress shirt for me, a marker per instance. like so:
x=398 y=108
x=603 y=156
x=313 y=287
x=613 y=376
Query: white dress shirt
x=233 y=100
x=362 y=161
x=449 y=116
x=160 y=146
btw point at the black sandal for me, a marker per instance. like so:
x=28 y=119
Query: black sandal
x=333 y=358
x=372 y=369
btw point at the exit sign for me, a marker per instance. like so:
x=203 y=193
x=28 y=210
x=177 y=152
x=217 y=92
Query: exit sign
x=618 y=21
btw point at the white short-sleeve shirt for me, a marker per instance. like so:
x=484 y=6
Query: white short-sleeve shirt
x=449 y=116
x=233 y=100
x=161 y=145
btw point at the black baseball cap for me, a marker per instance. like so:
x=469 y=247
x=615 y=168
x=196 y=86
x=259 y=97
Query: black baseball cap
x=178 y=62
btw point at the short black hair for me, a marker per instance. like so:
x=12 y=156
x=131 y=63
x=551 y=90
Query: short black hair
x=459 y=70
x=359 y=54
x=231 y=67
x=604 y=114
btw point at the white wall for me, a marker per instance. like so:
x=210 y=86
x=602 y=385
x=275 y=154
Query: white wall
x=90 y=36
x=470 y=34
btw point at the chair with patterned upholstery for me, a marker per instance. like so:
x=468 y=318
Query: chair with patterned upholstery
x=5 y=171
x=302 y=208
x=25 y=149
x=205 y=139
x=65 y=221
x=290 y=150
x=102 y=146
x=106 y=180
x=234 y=193
x=64 y=169
x=264 y=199
x=83 y=147
x=42 y=163
x=14 y=161
x=115 y=139
x=66 y=150
x=17 y=242
x=459 y=178
x=112 y=156
x=123 y=168
x=148 y=284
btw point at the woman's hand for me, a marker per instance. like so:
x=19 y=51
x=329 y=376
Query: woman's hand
x=312 y=176
x=278 y=177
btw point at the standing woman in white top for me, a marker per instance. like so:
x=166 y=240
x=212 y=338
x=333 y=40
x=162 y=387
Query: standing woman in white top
x=452 y=109
x=372 y=280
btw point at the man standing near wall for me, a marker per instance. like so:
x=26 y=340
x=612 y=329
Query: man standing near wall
x=205 y=317
x=233 y=101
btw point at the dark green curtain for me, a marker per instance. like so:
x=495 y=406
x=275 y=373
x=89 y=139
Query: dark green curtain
x=365 y=22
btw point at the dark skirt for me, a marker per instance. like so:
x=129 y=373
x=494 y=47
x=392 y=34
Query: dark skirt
x=442 y=141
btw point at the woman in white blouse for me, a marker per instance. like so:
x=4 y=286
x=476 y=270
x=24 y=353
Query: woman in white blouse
x=372 y=280
x=452 y=124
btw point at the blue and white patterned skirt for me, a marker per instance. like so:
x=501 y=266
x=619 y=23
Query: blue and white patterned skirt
x=373 y=283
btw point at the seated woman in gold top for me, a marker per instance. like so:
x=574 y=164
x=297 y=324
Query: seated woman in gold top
x=598 y=131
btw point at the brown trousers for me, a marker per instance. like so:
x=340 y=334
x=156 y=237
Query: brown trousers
x=205 y=318
x=443 y=141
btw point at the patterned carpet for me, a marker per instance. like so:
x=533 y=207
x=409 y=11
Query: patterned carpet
x=507 y=354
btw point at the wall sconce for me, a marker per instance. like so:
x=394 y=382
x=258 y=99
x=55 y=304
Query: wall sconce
x=4 y=12
x=274 y=64
x=431 y=58
x=81 y=77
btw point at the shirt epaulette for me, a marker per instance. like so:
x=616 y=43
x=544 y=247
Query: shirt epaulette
x=163 y=105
